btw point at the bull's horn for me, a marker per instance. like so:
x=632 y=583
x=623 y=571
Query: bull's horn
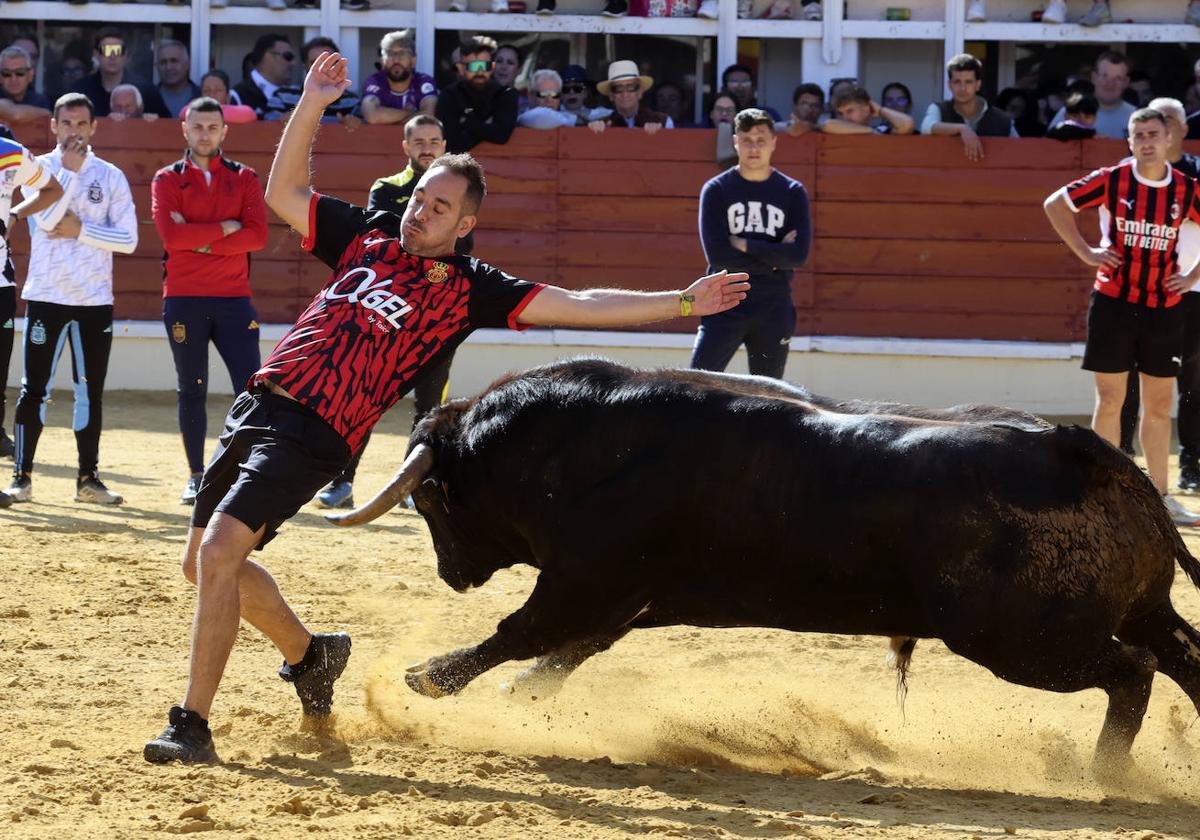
x=415 y=468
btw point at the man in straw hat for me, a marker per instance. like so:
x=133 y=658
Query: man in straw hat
x=625 y=88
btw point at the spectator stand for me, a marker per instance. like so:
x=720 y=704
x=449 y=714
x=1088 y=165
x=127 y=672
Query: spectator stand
x=860 y=43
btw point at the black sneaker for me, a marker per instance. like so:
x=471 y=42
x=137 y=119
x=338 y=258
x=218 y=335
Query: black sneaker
x=546 y=7
x=7 y=447
x=20 y=489
x=315 y=675
x=1189 y=477
x=616 y=8
x=91 y=489
x=186 y=738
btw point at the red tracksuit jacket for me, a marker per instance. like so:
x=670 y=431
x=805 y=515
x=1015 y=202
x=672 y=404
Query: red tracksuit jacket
x=199 y=260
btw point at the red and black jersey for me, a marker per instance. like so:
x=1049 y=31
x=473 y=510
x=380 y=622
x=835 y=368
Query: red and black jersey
x=382 y=318
x=1140 y=220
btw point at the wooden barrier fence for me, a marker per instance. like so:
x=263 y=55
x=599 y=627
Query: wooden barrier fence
x=910 y=238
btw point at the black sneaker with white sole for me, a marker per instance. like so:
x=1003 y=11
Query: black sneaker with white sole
x=315 y=675
x=187 y=738
x=1189 y=476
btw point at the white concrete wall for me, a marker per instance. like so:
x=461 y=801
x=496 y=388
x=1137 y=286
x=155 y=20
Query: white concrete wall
x=1043 y=378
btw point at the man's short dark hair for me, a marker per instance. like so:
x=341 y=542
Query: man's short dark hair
x=809 y=88
x=263 y=44
x=423 y=119
x=1113 y=57
x=962 y=63
x=465 y=165
x=204 y=105
x=320 y=41
x=858 y=93
x=75 y=100
x=749 y=118
x=1082 y=103
x=735 y=68
x=477 y=44
x=1142 y=115
x=107 y=32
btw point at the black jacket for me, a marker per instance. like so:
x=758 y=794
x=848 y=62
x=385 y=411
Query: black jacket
x=471 y=117
x=152 y=101
x=994 y=123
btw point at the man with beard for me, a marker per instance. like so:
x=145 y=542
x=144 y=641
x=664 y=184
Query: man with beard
x=395 y=93
x=210 y=215
x=397 y=299
x=477 y=108
x=424 y=142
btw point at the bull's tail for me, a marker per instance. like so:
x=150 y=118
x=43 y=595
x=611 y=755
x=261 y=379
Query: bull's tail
x=1189 y=564
x=900 y=651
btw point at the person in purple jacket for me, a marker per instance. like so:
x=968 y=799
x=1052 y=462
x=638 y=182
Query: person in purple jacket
x=396 y=92
x=755 y=219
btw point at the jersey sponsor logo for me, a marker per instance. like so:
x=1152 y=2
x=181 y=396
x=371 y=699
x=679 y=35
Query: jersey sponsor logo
x=37 y=333
x=107 y=329
x=94 y=193
x=368 y=242
x=437 y=273
x=179 y=332
x=754 y=217
x=1138 y=233
x=361 y=285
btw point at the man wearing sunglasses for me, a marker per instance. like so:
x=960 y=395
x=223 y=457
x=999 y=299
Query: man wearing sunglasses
x=16 y=80
x=625 y=87
x=272 y=61
x=111 y=57
x=577 y=95
x=477 y=108
x=545 y=103
x=397 y=91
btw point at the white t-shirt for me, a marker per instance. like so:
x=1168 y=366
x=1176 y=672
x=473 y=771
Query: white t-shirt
x=18 y=168
x=79 y=272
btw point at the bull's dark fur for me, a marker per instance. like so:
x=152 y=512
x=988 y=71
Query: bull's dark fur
x=650 y=498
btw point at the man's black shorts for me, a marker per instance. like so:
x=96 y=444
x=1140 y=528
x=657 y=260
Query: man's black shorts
x=273 y=456
x=1123 y=335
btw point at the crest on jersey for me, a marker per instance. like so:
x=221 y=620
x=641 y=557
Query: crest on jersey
x=10 y=175
x=437 y=273
x=1175 y=211
x=178 y=332
x=37 y=333
x=94 y=193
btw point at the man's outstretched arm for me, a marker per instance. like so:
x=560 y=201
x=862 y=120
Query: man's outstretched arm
x=289 y=187
x=618 y=308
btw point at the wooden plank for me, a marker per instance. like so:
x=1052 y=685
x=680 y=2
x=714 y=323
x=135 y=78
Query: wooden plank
x=946 y=153
x=528 y=247
x=894 y=293
x=664 y=279
x=993 y=326
x=919 y=221
x=963 y=187
x=632 y=178
x=901 y=257
x=618 y=145
x=524 y=211
x=1098 y=152
x=524 y=143
x=668 y=214
x=34 y=135
x=622 y=251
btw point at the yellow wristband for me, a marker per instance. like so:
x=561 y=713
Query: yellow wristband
x=685 y=304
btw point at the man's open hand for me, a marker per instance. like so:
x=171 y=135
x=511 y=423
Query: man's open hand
x=717 y=292
x=327 y=79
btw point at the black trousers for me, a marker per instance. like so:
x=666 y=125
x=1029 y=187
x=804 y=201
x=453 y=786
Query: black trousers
x=765 y=327
x=88 y=332
x=8 y=315
x=428 y=393
x=1189 y=390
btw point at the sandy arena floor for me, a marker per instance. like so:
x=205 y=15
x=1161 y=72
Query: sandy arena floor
x=679 y=732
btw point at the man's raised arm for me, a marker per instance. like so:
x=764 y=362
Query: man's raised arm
x=289 y=188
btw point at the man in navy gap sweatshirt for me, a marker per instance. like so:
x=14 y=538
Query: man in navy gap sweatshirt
x=753 y=218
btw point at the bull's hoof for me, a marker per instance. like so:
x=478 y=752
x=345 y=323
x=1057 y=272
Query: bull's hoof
x=422 y=683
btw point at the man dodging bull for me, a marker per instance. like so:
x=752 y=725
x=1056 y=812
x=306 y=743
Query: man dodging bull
x=1039 y=552
x=398 y=300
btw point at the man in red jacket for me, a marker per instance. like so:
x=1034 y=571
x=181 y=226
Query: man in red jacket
x=210 y=214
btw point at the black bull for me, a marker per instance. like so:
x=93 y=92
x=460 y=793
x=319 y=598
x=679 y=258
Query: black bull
x=653 y=498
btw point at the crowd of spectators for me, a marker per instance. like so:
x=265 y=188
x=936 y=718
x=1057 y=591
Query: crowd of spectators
x=490 y=88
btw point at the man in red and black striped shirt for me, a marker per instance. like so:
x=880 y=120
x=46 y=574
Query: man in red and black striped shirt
x=399 y=299
x=1134 y=319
